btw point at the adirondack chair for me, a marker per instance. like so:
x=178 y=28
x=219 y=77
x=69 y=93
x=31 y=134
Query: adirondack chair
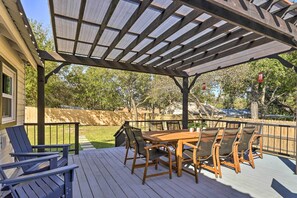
x=23 y=150
x=51 y=183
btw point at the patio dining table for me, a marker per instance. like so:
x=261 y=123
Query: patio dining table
x=177 y=137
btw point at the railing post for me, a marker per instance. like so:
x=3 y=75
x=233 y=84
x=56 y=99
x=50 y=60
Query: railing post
x=76 y=128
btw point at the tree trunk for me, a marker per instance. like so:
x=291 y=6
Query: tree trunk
x=134 y=107
x=254 y=110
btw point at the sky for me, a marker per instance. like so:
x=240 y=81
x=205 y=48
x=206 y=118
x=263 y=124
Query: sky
x=38 y=10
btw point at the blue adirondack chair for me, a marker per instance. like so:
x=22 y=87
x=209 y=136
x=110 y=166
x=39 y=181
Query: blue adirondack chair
x=51 y=183
x=23 y=150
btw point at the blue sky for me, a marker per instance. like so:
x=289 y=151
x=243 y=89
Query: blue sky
x=38 y=10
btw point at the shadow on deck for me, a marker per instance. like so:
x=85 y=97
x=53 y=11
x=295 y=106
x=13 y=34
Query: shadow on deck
x=103 y=174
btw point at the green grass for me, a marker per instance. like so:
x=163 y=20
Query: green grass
x=99 y=136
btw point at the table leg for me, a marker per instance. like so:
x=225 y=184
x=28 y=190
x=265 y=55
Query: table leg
x=179 y=152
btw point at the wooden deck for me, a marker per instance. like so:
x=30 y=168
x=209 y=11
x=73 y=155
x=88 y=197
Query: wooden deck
x=103 y=174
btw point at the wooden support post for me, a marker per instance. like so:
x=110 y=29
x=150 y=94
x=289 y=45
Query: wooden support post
x=185 y=102
x=40 y=104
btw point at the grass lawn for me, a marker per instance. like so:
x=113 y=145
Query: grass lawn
x=99 y=136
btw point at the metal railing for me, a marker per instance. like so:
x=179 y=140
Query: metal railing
x=56 y=133
x=277 y=138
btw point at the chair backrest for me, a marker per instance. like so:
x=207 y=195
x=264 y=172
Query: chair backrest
x=140 y=143
x=173 y=125
x=228 y=140
x=20 y=142
x=245 y=138
x=258 y=127
x=129 y=134
x=156 y=126
x=207 y=140
x=231 y=124
x=19 y=139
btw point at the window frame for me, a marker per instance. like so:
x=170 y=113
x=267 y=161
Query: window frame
x=4 y=67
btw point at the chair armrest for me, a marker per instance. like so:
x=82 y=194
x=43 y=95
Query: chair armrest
x=33 y=154
x=190 y=145
x=28 y=162
x=35 y=176
x=155 y=146
x=51 y=146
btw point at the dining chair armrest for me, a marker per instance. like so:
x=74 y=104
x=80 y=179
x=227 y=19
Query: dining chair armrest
x=29 y=162
x=155 y=146
x=190 y=145
x=39 y=175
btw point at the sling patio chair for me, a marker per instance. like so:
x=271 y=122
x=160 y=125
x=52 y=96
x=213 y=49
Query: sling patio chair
x=23 y=150
x=173 y=125
x=130 y=141
x=226 y=149
x=56 y=182
x=156 y=126
x=245 y=146
x=151 y=153
x=202 y=155
x=257 y=146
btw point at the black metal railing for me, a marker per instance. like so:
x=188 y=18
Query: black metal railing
x=277 y=138
x=56 y=133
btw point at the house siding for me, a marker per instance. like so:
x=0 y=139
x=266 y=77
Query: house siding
x=11 y=57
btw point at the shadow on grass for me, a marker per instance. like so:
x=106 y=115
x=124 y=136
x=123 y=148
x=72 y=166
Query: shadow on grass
x=282 y=190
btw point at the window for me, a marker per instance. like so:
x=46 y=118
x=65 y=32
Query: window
x=8 y=95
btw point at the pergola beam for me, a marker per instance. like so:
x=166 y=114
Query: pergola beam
x=249 y=16
x=284 y=62
x=104 y=23
x=204 y=48
x=226 y=53
x=160 y=19
x=177 y=26
x=196 y=30
x=71 y=59
x=215 y=32
x=138 y=12
x=226 y=49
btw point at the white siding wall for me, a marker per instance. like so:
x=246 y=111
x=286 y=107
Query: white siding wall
x=12 y=58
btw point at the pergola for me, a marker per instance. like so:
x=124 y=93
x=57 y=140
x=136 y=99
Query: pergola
x=176 y=38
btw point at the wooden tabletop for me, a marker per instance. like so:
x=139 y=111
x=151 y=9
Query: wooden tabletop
x=169 y=136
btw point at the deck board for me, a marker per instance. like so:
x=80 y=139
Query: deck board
x=103 y=174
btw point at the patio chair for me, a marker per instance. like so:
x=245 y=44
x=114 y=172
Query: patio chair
x=51 y=183
x=130 y=141
x=23 y=150
x=203 y=152
x=226 y=149
x=257 y=146
x=173 y=125
x=245 y=146
x=150 y=153
x=156 y=126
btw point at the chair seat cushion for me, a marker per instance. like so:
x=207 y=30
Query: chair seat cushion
x=52 y=186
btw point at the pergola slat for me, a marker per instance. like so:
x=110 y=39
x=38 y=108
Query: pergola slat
x=144 y=4
x=104 y=23
x=66 y=58
x=206 y=47
x=184 y=21
x=251 y=17
x=81 y=13
x=229 y=52
x=161 y=18
x=205 y=37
